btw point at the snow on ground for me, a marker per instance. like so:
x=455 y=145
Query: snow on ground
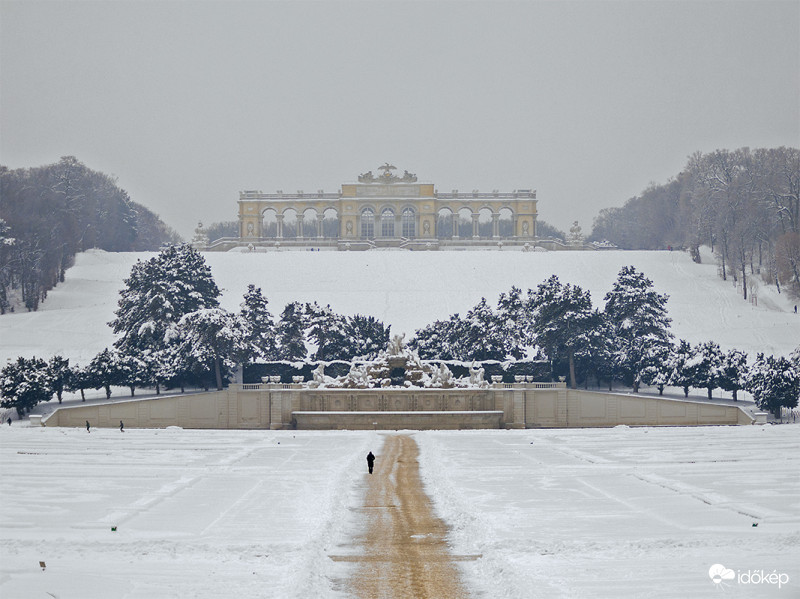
x=623 y=512
x=408 y=290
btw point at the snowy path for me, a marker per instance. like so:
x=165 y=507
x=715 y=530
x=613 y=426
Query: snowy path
x=399 y=544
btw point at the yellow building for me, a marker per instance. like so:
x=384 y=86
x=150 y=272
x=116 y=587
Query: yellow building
x=386 y=210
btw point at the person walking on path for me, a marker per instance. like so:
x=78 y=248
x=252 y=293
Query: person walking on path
x=88 y=427
x=370 y=461
x=121 y=427
x=9 y=421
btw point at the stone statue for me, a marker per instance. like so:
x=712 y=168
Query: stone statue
x=409 y=177
x=524 y=227
x=476 y=375
x=396 y=345
x=349 y=227
x=318 y=374
x=426 y=227
x=367 y=177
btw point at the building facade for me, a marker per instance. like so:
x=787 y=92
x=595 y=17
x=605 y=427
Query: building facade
x=387 y=210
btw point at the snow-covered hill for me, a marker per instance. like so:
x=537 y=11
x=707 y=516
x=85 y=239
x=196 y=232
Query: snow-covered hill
x=408 y=290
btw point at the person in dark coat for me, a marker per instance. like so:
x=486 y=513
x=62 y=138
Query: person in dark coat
x=121 y=427
x=9 y=421
x=370 y=461
x=87 y=427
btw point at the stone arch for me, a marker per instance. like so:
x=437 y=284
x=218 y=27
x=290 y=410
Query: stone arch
x=310 y=223
x=367 y=222
x=465 y=222
x=505 y=222
x=269 y=223
x=330 y=222
x=445 y=222
x=387 y=222
x=485 y=218
x=288 y=228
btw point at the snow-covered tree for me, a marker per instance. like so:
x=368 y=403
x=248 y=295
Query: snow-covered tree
x=258 y=327
x=483 y=334
x=436 y=341
x=209 y=338
x=680 y=366
x=104 y=370
x=657 y=369
x=291 y=333
x=774 y=383
x=158 y=293
x=326 y=330
x=24 y=384
x=132 y=372
x=368 y=337
x=79 y=380
x=706 y=366
x=563 y=320
x=514 y=319
x=638 y=316
x=59 y=371
x=733 y=372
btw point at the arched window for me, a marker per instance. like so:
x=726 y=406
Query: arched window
x=367 y=223
x=444 y=224
x=330 y=223
x=409 y=228
x=387 y=223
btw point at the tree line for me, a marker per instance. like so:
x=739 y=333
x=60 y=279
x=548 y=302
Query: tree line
x=744 y=204
x=171 y=332
x=51 y=212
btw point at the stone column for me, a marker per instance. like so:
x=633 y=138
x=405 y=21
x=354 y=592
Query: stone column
x=319 y=226
x=279 y=232
x=455 y=225
x=495 y=225
x=300 y=232
x=475 y=234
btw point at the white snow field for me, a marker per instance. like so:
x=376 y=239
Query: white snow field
x=408 y=290
x=596 y=513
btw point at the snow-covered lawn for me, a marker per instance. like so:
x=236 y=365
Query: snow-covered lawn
x=624 y=512
x=408 y=290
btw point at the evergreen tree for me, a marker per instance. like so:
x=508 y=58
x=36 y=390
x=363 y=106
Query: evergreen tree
x=158 y=293
x=680 y=365
x=657 y=369
x=563 y=320
x=59 y=372
x=515 y=322
x=707 y=365
x=733 y=371
x=774 y=383
x=104 y=370
x=79 y=380
x=24 y=384
x=291 y=333
x=432 y=341
x=258 y=328
x=209 y=338
x=483 y=335
x=131 y=372
x=326 y=330
x=638 y=316
x=368 y=337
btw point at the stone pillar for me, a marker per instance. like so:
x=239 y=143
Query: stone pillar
x=319 y=226
x=495 y=225
x=300 y=232
x=279 y=232
x=455 y=225
x=475 y=234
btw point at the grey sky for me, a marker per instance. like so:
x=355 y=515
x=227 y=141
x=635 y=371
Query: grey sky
x=587 y=102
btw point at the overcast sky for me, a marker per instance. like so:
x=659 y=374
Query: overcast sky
x=188 y=103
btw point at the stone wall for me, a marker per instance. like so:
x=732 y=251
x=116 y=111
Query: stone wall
x=278 y=406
